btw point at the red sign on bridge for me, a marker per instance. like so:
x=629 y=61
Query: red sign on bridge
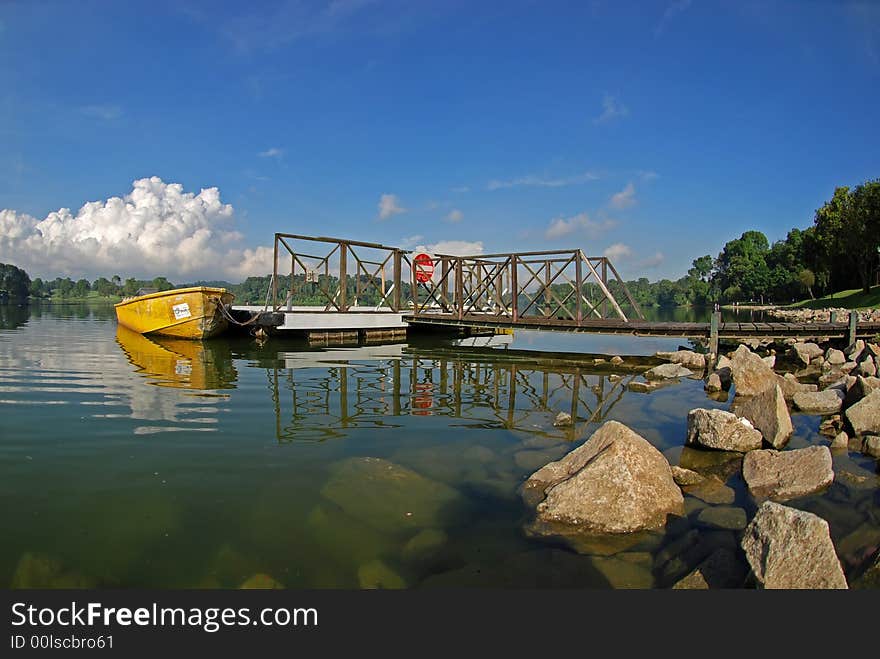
x=423 y=265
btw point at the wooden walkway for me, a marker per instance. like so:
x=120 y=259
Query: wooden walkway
x=649 y=328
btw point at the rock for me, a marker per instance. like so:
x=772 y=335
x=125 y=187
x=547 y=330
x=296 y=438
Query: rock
x=617 y=360
x=827 y=401
x=261 y=581
x=667 y=371
x=835 y=357
x=686 y=476
x=721 y=569
x=871 y=446
x=641 y=387
x=854 y=350
x=723 y=517
x=807 y=352
x=790 y=385
x=750 y=374
x=847 y=367
x=790 y=548
x=769 y=415
x=712 y=490
x=713 y=383
x=41 y=571
x=864 y=416
x=377 y=575
x=621 y=571
x=860 y=388
x=783 y=475
x=389 y=497
x=840 y=441
x=423 y=544
x=770 y=360
x=708 y=462
x=614 y=377
x=687 y=358
x=867 y=366
x=832 y=378
x=722 y=430
x=723 y=363
x=616 y=482
x=562 y=419
x=870 y=577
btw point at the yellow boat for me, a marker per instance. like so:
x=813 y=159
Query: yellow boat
x=187 y=313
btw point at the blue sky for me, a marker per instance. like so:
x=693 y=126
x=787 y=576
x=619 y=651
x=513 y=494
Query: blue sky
x=651 y=131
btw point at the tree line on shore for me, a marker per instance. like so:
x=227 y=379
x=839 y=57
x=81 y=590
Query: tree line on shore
x=841 y=250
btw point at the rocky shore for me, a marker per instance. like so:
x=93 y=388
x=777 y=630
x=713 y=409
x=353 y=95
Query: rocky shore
x=618 y=491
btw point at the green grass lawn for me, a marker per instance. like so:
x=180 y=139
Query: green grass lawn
x=91 y=297
x=853 y=299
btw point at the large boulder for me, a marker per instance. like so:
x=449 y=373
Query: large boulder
x=864 y=416
x=835 y=357
x=807 y=352
x=827 y=401
x=687 y=358
x=790 y=385
x=783 y=475
x=667 y=371
x=722 y=430
x=790 y=548
x=768 y=413
x=751 y=375
x=860 y=388
x=616 y=482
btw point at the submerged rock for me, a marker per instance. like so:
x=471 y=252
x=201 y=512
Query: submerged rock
x=424 y=544
x=562 y=419
x=712 y=490
x=722 y=569
x=768 y=413
x=790 y=548
x=782 y=475
x=686 y=476
x=668 y=371
x=261 y=581
x=42 y=571
x=616 y=482
x=722 y=430
x=389 y=497
x=377 y=575
x=723 y=517
x=687 y=358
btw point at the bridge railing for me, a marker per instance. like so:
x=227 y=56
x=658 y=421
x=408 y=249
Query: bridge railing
x=348 y=275
x=548 y=285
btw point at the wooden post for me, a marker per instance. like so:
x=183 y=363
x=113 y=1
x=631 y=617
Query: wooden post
x=579 y=279
x=853 y=323
x=514 y=289
x=396 y=281
x=343 y=276
x=714 y=326
x=459 y=288
x=275 y=276
x=292 y=273
x=832 y=317
x=605 y=281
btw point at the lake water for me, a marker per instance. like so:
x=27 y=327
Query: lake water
x=130 y=462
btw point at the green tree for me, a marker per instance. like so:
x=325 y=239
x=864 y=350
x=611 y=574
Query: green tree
x=14 y=283
x=742 y=267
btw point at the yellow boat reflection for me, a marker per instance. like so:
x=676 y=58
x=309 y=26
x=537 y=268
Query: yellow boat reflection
x=178 y=363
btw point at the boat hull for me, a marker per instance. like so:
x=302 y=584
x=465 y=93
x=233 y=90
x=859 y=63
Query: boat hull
x=187 y=313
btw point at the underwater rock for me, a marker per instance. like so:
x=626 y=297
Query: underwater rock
x=376 y=575
x=722 y=569
x=42 y=571
x=261 y=581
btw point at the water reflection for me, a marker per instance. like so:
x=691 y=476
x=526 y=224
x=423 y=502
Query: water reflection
x=179 y=363
x=321 y=396
x=12 y=316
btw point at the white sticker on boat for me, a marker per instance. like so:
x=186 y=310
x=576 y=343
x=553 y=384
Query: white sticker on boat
x=181 y=311
x=182 y=368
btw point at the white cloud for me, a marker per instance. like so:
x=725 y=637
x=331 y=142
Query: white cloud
x=456 y=248
x=461 y=189
x=612 y=109
x=653 y=261
x=669 y=13
x=105 y=112
x=648 y=175
x=156 y=229
x=617 y=251
x=455 y=216
x=410 y=241
x=273 y=152
x=542 y=182
x=562 y=226
x=625 y=198
x=389 y=205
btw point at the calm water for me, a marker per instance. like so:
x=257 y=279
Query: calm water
x=129 y=462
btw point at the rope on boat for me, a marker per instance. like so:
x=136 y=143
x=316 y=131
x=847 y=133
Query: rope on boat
x=228 y=315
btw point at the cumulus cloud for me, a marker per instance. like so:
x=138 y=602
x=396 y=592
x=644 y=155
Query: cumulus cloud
x=457 y=247
x=455 y=216
x=564 y=226
x=625 y=198
x=612 y=109
x=617 y=251
x=653 y=261
x=389 y=205
x=273 y=152
x=156 y=229
x=541 y=181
